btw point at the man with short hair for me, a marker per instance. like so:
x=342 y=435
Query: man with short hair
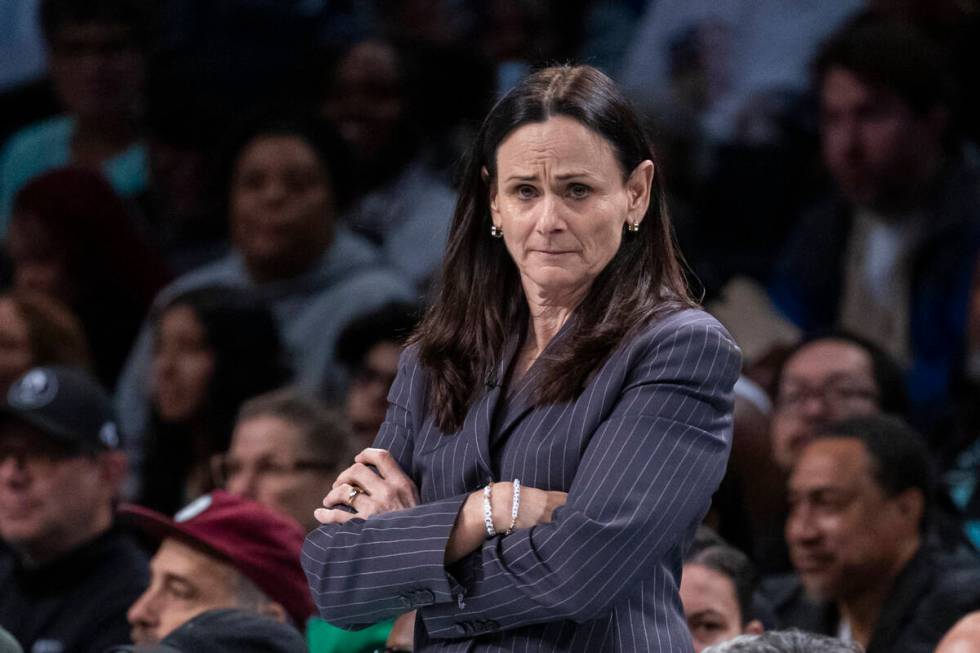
x=825 y=379
x=69 y=573
x=221 y=551
x=784 y=641
x=859 y=506
x=890 y=256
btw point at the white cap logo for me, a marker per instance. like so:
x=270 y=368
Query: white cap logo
x=109 y=435
x=193 y=509
x=34 y=390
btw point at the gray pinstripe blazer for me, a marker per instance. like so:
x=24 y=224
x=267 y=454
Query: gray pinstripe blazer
x=640 y=453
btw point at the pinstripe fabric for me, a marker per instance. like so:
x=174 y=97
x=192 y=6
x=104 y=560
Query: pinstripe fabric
x=640 y=453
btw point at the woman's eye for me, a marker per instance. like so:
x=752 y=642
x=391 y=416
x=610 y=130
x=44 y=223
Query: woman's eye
x=525 y=192
x=578 y=191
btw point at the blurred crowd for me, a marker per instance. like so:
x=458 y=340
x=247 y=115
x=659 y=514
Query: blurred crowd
x=221 y=219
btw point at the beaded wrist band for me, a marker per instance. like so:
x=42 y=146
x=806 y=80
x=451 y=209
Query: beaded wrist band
x=488 y=510
x=515 y=507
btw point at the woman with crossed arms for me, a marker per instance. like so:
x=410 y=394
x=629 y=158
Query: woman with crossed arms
x=562 y=415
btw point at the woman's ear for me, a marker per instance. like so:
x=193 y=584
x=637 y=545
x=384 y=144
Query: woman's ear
x=754 y=627
x=638 y=189
x=491 y=194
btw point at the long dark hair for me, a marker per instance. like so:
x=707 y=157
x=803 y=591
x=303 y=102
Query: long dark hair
x=249 y=360
x=480 y=300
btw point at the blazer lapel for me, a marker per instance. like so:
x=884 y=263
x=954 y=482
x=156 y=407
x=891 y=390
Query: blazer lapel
x=486 y=407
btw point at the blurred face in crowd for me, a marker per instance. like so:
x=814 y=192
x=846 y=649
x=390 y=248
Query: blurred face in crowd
x=16 y=353
x=184 y=582
x=845 y=534
x=51 y=497
x=365 y=103
x=825 y=381
x=711 y=607
x=367 y=398
x=875 y=146
x=269 y=461
x=562 y=202
x=39 y=260
x=97 y=70
x=183 y=365
x=281 y=206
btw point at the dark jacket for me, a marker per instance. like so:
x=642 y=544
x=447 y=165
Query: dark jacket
x=932 y=592
x=78 y=603
x=808 y=282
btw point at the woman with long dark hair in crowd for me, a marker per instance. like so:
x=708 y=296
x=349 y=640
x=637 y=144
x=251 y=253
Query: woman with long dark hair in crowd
x=213 y=349
x=558 y=425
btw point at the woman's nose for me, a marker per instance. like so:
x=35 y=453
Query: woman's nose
x=549 y=218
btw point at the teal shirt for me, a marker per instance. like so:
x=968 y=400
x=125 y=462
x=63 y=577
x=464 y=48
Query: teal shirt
x=46 y=145
x=321 y=637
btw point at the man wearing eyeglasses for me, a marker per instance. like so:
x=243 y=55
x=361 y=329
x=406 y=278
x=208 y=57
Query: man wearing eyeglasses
x=69 y=574
x=826 y=379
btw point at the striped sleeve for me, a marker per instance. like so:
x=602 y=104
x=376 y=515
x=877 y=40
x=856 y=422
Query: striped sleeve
x=645 y=479
x=364 y=571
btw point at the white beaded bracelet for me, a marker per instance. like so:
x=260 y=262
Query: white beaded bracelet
x=515 y=506
x=488 y=510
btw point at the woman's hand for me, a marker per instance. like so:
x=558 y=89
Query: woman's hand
x=386 y=490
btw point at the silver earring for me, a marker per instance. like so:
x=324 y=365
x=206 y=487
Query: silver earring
x=632 y=227
x=496 y=231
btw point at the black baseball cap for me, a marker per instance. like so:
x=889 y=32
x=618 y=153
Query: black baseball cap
x=67 y=404
x=225 y=631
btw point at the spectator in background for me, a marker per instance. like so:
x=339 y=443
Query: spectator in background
x=286 y=449
x=891 y=256
x=225 y=631
x=220 y=551
x=96 y=61
x=860 y=496
x=213 y=349
x=717 y=586
x=286 y=180
x=400 y=203
x=787 y=641
x=824 y=379
x=69 y=574
x=71 y=238
x=369 y=348
x=37 y=330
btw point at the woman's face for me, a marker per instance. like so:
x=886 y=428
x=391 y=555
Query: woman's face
x=16 y=356
x=183 y=365
x=562 y=202
x=281 y=204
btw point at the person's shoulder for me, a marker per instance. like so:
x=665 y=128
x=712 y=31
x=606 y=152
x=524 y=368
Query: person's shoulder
x=682 y=322
x=226 y=271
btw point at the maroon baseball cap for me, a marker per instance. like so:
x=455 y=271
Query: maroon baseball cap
x=260 y=543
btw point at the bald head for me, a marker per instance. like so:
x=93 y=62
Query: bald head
x=964 y=637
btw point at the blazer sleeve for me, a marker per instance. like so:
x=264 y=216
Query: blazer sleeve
x=645 y=479
x=364 y=571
